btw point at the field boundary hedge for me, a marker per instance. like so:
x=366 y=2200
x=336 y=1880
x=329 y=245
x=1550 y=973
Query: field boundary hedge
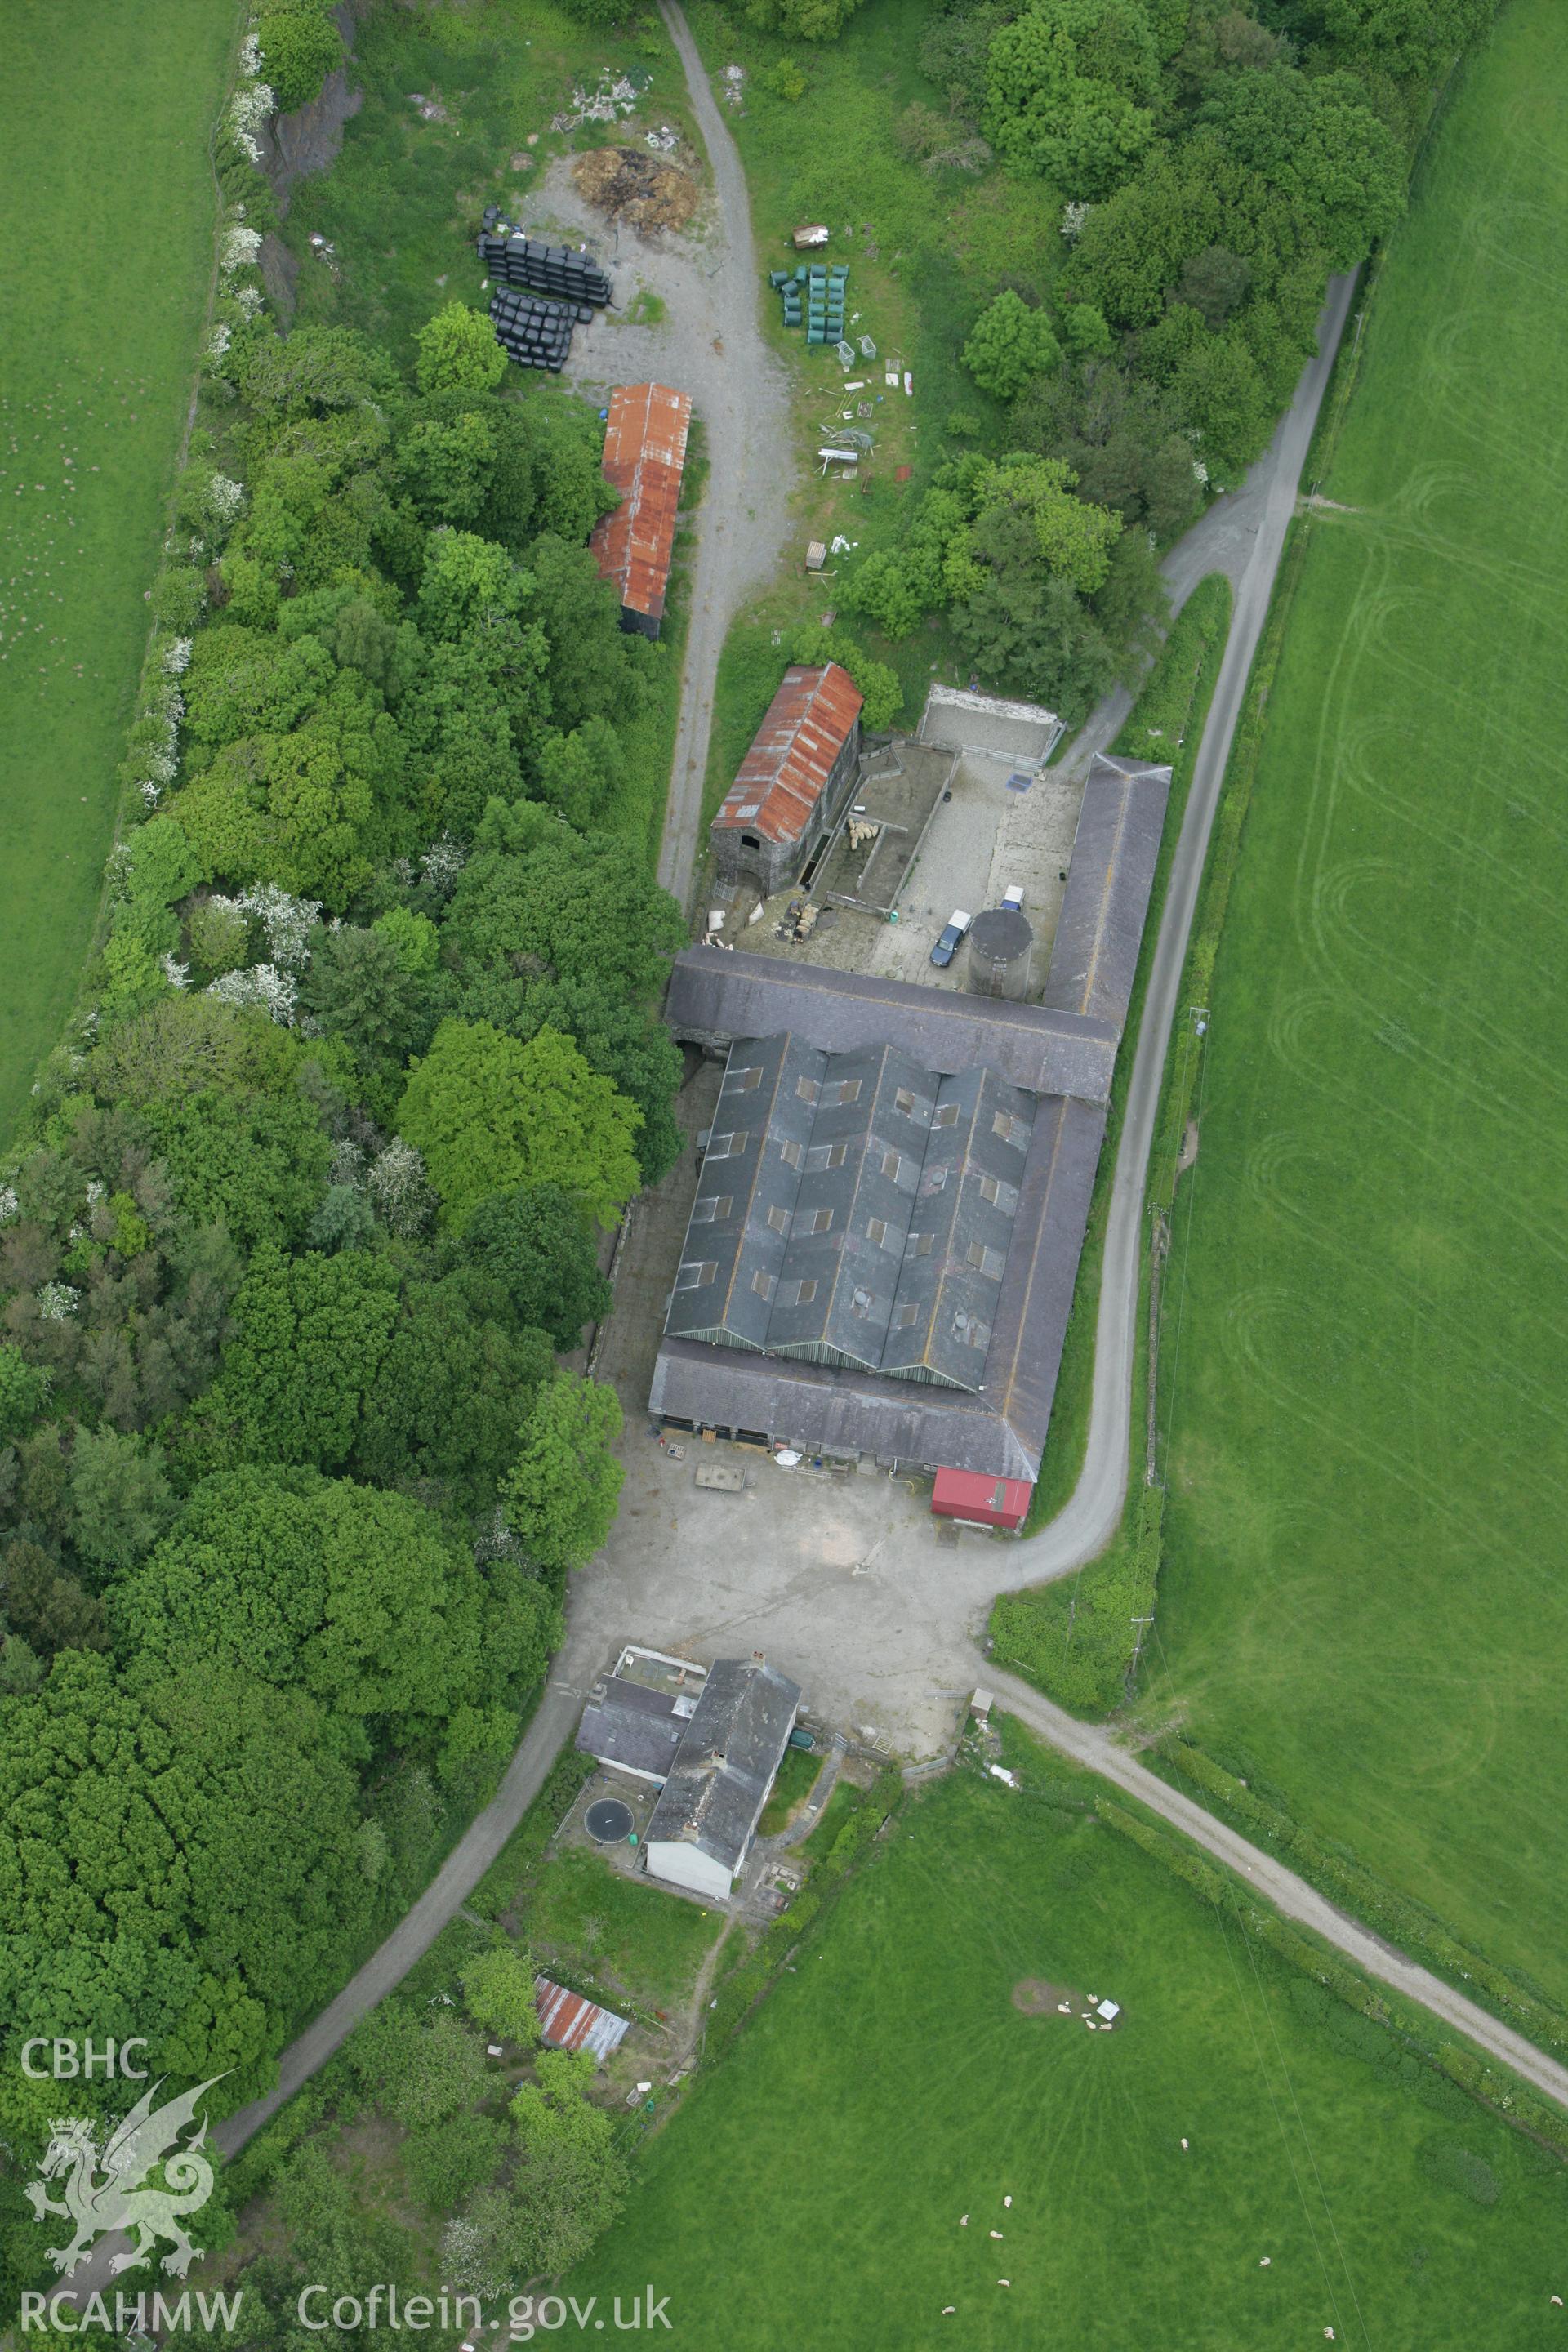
x=745 y=1986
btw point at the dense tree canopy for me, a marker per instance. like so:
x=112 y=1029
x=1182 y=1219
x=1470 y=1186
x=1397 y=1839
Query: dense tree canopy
x=356 y=1597
x=310 y=1337
x=458 y=351
x=300 y=48
x=491 y=1115
x=561 y=1495
x=1017 y=560
x=1009 y=345
x=1318 y=144
x=1406 y=37
x=452 y=1391
x=533 y=1261
x=1072 y=91
x=177 y=1859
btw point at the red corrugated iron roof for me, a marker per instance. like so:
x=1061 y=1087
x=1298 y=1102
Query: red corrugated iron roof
x=783 y=776
x=645 y=451
x=974 y=1494
x=569 y=2023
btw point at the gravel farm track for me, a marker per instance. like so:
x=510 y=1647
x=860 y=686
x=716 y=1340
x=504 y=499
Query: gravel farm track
x=1243 y=536
x=744 y=515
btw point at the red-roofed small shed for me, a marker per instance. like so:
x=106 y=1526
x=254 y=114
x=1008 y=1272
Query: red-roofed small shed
x=989 y=1502
x=568 y=2021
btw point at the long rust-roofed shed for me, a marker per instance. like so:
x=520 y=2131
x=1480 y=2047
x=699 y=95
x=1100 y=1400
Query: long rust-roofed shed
x=644 y=454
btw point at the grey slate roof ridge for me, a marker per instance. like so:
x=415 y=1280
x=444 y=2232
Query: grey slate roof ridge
x=1111 y=874
x=1046 y=1049
x=728 y=1752
x=1001 y=1432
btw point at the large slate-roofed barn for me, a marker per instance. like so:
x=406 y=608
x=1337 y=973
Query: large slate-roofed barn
x=862 y=1215
x=881 y=1254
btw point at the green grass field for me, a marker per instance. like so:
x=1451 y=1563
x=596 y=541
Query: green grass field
x=809 y=2192
x=634 y=1936
x=109 y=206
x=1365 y=1348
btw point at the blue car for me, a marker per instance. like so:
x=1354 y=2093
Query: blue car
x=946 y=948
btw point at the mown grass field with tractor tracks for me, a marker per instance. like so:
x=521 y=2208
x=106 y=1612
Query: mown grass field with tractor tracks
x=1362 y=1610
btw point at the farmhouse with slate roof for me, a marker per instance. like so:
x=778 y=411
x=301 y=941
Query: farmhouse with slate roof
x=730 y=1752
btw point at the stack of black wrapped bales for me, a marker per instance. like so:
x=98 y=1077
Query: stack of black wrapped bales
x=510 y=258
x=535 y=334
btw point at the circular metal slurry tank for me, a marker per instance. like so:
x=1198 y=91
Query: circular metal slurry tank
x=999 y=944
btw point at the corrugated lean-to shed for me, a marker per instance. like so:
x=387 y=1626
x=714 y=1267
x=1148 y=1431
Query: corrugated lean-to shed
x=645 y=453
x=569 y=2023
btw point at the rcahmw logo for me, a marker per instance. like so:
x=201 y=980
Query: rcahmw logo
x=107 y=2190
x=129 y=2315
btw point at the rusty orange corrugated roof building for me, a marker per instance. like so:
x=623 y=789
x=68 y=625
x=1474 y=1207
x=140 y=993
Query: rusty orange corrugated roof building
x=569 y=2020
x=784 y=775
x=645 y=453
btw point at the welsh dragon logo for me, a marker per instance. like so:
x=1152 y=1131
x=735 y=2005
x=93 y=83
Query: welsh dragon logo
x=103 y=2192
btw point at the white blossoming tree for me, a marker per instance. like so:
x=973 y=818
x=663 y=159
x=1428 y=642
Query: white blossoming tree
x=288 y=923
x=241 y=249
x=443 y=862
x=400 y=1190
x=259 y=987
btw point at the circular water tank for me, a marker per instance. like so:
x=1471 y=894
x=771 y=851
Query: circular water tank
x=999 y=944
x=608 y=1821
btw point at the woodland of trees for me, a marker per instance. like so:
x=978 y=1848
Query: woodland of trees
x=291 y=1475
x=1209 y=165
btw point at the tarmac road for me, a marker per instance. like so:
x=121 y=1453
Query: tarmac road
x=1243 y=536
